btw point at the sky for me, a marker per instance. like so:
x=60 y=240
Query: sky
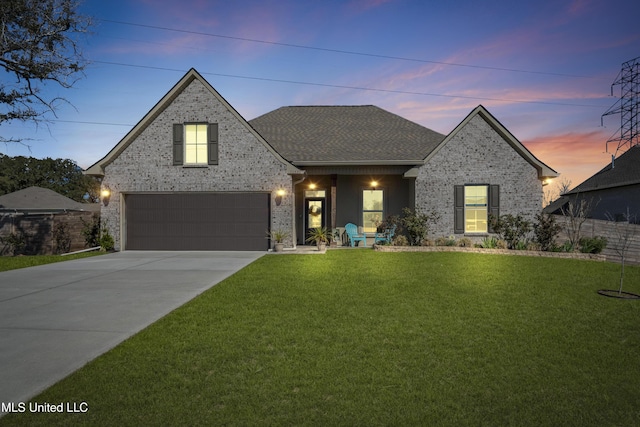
x=544 y=69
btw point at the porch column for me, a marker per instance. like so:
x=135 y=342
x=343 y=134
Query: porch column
x=334 y=179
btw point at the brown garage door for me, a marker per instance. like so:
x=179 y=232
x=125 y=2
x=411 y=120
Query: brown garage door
x=197 y=221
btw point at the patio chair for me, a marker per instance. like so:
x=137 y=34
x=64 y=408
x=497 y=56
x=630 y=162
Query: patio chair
x=385 y=235
x=353 y=235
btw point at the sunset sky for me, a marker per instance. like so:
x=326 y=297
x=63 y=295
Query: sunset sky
x=543 y=69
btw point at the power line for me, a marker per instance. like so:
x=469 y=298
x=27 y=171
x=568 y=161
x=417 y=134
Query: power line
x=403 y=92
x=347 y=52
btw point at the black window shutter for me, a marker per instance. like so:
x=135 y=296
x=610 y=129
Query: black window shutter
x=494 y=203
x=178 y=149
x=213 y=143
x=458 y=209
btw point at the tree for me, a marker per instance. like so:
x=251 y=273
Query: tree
x=625 y=232
x=38 y=46
x=575 y=212
x=61 y=175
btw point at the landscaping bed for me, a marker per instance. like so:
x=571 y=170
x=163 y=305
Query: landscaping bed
x=565 y=255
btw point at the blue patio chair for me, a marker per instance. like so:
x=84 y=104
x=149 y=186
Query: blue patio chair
x=385 y=235
x=353 y=235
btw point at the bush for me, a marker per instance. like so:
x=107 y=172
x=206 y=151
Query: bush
x=509 y=228
x=106 y=240
x=546 y=230
x=13 y=243
x=489 y=243
x=91 y=231
x=502 y=244
x=418 y=224
x=400 y=241
x=465 y=242
x=592 y=245
x=62 y=238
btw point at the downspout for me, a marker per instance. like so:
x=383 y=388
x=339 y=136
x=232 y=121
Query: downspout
x=293 y=211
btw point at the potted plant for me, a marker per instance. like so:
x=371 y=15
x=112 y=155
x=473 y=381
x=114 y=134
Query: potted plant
x=277 y=237
x=320 y=236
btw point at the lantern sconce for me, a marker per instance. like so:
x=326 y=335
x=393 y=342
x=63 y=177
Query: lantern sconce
x=105 y=195
x=374 y=184
x=280 y=193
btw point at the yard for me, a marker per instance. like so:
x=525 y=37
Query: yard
x=356 y=337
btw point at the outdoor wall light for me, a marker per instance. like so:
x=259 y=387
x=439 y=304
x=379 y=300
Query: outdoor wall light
x=105 y=195
x=312 y=186
x=280 y=193
x=374 y=184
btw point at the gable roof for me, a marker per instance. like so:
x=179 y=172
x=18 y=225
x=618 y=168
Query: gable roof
x=335 y=135
x=98 y=168
x=40 y=199
x=624 y=171
x=544 y=171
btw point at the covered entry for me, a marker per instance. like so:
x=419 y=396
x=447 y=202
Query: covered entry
x=197 y=221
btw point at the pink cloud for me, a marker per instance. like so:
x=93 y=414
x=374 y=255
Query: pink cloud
x=575 y=155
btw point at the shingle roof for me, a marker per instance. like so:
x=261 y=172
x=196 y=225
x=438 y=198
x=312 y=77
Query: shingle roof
x=625 y=171
x=345 y=134
x=42 y=199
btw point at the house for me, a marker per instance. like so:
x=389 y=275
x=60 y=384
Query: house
x=44 y=221
x=194 y=175
x=612 y=193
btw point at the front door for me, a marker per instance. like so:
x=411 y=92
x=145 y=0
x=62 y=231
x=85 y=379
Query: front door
x=314 y=215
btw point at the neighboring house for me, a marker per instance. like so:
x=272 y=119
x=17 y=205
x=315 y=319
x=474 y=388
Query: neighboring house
x=33 y=213
x=611 y=193
x=194 y=175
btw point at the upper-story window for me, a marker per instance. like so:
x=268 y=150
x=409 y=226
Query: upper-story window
x=195 y=144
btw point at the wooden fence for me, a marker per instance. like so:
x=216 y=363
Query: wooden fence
x=38 y=232
x=614 y=232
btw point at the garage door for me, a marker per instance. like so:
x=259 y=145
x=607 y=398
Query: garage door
x=197 y=221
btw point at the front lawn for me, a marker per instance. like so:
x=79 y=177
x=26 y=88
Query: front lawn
x=14 y=262
x=357 y=337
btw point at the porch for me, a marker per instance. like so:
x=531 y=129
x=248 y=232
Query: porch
x=361 y=196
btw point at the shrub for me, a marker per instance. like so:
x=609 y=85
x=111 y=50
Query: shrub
x=91 y=231
x=400 y=240
x=445 y=241
x=106 y=240
x=533 y=246
x=14 y=242
x=62 y=238
x=546 y=230
x=489 y=243
x=418 y=224
x=502 y=244
x=592 y=245
x=465 y=242
x=509 y=228
x=428 y=242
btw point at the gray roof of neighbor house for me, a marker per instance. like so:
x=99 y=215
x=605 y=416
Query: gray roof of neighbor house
x=38 y=199
x=624 y=171
x=365 y=134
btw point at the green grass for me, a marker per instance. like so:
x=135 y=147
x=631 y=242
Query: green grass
x=356 y=337
x=12 y=263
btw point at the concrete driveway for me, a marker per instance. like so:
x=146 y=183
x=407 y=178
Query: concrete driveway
x=55 y=318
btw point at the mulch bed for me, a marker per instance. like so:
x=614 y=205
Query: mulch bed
x=620 y=295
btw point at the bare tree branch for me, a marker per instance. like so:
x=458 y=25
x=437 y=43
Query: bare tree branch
x=38 y=46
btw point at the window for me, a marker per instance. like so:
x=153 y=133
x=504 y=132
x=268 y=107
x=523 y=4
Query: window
x=195 y=144
x=472 y=206
x=476 y=198
x=372 y=209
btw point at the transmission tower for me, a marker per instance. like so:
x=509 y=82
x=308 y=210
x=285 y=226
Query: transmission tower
x=628 y=106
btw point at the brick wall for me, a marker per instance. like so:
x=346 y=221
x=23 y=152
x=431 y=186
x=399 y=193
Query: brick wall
x=38 y=231
x=245 y=164
x=477 y=154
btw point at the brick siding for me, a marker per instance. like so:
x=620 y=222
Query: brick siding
x=245 y=164
x=477 y=154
